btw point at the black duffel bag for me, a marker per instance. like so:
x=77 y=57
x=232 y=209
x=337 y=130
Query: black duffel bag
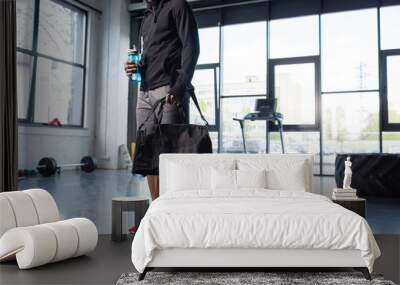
x=168 y=138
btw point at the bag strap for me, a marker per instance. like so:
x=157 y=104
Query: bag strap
x=196 y=103
x=162 y=102
x=161 y=113
x=153 y=110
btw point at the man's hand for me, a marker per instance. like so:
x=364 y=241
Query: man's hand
x=170 y=99
x=130 y=67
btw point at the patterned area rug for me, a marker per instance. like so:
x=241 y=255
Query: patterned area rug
x=243 y=278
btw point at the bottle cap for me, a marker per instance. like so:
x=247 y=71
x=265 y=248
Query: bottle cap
x=132 y=50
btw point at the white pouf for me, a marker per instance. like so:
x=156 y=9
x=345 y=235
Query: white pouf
x=31 y=232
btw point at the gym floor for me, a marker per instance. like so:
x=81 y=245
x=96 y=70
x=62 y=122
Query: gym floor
x=80 y=194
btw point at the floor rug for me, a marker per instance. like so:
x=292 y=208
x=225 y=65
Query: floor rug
x=244 y=278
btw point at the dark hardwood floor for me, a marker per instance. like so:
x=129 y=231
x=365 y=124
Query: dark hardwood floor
x=103 y=266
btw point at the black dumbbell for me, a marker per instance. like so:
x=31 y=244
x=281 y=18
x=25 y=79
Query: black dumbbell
x=47 y=166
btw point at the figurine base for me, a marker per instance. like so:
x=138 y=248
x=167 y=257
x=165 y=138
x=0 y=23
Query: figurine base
x=345 y=190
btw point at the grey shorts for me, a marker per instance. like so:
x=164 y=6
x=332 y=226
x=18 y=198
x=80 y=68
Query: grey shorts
x=170 y=112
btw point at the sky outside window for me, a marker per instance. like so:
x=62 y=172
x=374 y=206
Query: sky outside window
x=244 y=59
x=294 y=37
x=349 y=51
x=390 y=27
x=209 y=45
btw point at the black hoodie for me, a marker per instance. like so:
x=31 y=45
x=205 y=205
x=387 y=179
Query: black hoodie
x=170 y=46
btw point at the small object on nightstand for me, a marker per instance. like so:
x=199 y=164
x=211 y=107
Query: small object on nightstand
x=344 y=194
x=348 y=173
x=357 y=205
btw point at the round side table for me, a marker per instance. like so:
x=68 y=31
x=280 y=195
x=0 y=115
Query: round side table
x=138 y=205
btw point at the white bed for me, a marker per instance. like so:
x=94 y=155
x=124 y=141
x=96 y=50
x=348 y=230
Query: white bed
x=219 y=224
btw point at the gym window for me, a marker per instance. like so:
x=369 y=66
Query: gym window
x=51 y=62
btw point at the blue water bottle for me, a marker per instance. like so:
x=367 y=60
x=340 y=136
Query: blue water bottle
x=133 y=56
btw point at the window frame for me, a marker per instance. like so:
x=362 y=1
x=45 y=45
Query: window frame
x=29 y=119
x=291 y=61
x=383 y=96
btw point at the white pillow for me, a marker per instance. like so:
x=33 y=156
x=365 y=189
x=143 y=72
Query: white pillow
x=223 y=179
x=290 y=179
x=283 y=173
x=182 y=177
x=184 y=174
x=251 y=178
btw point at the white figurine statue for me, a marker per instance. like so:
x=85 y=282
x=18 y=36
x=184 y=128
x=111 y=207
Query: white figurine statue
x=347 y=174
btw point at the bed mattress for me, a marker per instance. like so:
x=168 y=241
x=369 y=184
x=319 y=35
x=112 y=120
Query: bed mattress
x=250 y=219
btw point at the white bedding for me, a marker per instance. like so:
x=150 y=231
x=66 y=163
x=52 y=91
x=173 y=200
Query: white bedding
x=250 y=219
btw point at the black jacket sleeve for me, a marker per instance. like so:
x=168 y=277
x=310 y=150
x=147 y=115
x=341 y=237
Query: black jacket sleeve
x=188 y=34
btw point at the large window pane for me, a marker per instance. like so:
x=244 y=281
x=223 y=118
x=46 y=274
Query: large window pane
x=25 y=11
x=393 y=88
x=294 y=37
x=59 y=89
x=391 y=142
x=24 y=77
x=244 y=59
x=209 y=45
x=61 y=31
x=350 y=124
x=390 y=23
x=350 y=51
x=295 y=91
x=297 y=142
x=255 y=132
x=204 y=83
